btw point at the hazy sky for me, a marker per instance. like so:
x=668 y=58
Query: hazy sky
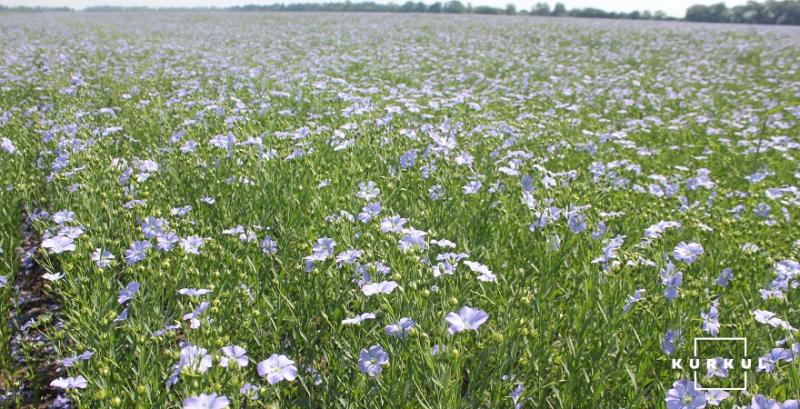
x=671 y=7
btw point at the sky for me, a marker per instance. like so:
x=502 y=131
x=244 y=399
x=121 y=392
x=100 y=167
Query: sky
x=675 y=8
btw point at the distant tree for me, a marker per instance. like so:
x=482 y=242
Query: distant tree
x=454 y=7
x=697 y=12
x=741 y=14
x=435 y=8
x=589 y=12
x=511 y=9
x=541 y=9
x=559 y=10
x=792 y=13
x=719 y=13
x=407 y=7
x=487 y=10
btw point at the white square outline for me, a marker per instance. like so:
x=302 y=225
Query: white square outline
x=694 y=372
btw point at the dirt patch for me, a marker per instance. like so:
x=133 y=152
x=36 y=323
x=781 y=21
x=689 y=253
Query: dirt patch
x=34 y=317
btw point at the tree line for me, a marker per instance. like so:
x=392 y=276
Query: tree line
x=768 y=12
x=452 y=7
x=33 y=9
x=449 y=7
